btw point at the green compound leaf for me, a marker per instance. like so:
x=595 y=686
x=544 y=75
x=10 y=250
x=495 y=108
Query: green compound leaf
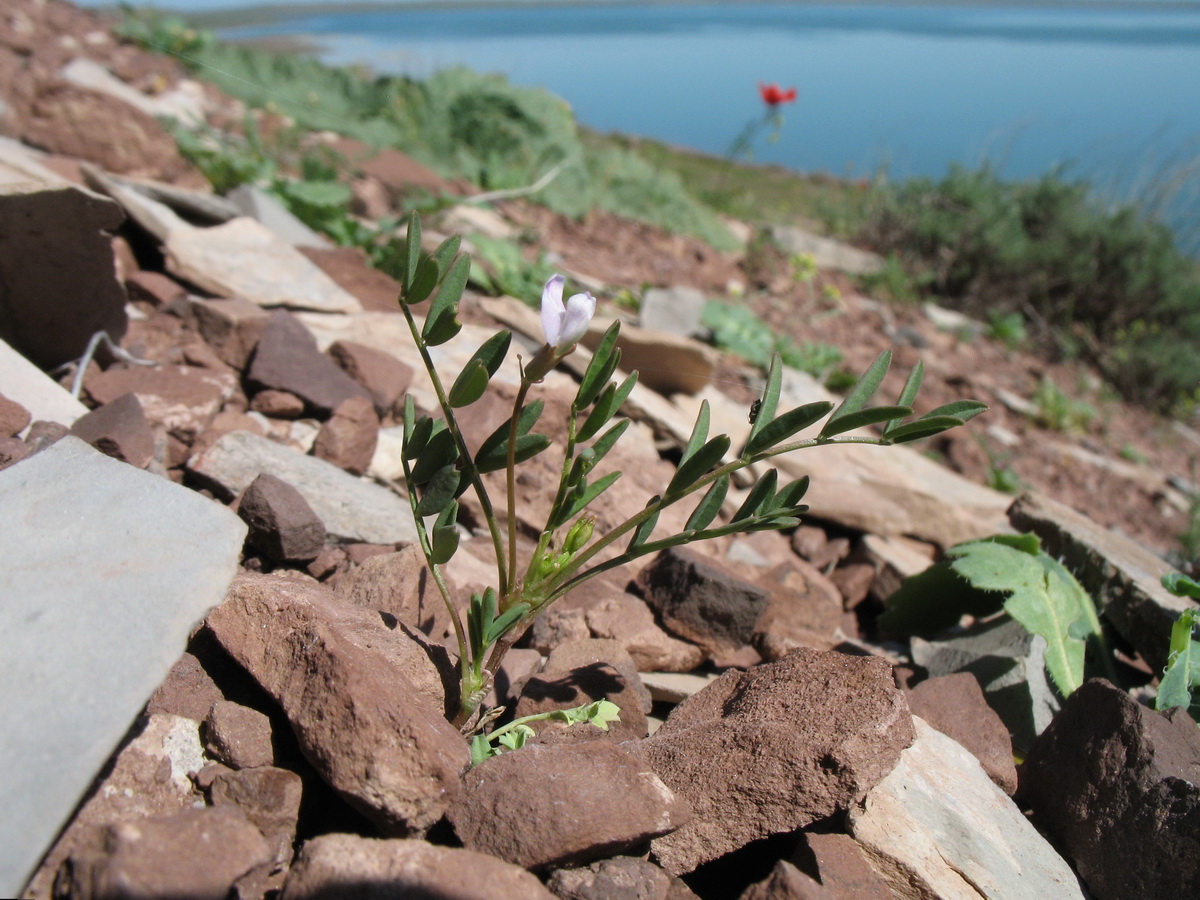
x=480 y=615
x=691 y=470
x=440 y=491
x=1182 y=674
x=601 y=367
x=441 y=324
x=517 y=738
x=759 y=498
x=864 y=389
x=779 y=430
x=606 y=407
x=483 y=364
x=921 y=428
x=768 y=403
x=439 y=451
x=859 y=418
x=708 y=507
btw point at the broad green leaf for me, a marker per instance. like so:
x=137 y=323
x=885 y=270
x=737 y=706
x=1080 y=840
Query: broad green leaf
x=708 y=507
x=483 y=364
x=935 y=599
x=440 y=451
x=769 y=401
x=691 y=470
x=759 y=496
x=441 y=323
x=481 y=749
x=606 y=407
x=412 y=250
x=861 y=417
x=699 y=433
x=1038 y=598
x=921 y=428
x=424 y=281
x=528 y=446
x=908 y=394
x=440 y=491
x=864 y=389
x=600 y=368
x=1182 y=674
x=786 y=425
x=445 y=253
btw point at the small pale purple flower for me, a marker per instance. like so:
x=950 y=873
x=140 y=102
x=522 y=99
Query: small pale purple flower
x=562 y=324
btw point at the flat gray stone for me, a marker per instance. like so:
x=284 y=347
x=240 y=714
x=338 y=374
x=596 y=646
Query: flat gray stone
x=352 y=509
x=28 y=385
x=676 y=310
x=107 y=570
x=826 y=252
x=938 y=827
x=262 y=207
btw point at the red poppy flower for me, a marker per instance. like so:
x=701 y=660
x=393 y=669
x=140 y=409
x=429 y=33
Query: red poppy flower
x=773 y=94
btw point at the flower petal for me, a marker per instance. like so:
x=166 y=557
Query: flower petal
x=580 y=309
x=553 y=310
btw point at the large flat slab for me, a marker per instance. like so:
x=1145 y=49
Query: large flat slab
x=22 y=381
x=106 y=571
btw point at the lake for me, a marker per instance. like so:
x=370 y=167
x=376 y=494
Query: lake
x=1112 y=91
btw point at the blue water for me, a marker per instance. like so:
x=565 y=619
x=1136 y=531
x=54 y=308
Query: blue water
x=1111 y=91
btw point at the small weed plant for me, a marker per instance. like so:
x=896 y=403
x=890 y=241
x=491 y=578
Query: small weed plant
x=1180 y=684
x=439 y=466
x=1059 y=412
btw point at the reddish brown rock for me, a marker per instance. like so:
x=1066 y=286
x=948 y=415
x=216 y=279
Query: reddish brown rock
x=287 y=359
x=154 y=288
x=231 y=326
x=399 y=584
x=183 y=400
x=119 y=429
x=346 y=865
x=627 y=620
x=196 y=853
x=224 y=422
x=348 y=438
x=282 y=525
x=386 y=377
x=14 y=418
x=804 y=609
x=955 y=706
x=348 y=267
x=617 y=879
x=43 y=434
x=270 y=799
x=1116 y=786
x=772 y=749
x=853 y=581
x=188 y=690
x=365 y=700
x=580 y=672
x=238 y=736
x=546 y=806
x=702 y=602
x=277 y=404
x=12 y=450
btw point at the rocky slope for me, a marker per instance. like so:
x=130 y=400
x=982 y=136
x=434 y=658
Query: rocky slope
x=233 y=460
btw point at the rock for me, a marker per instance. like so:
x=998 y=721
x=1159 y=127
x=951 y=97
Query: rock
x=196 y=853
x=266 y=210
x=350 y=509
x=14 y=418
x=627 y=620
x=894 y=559
x=938 y=827
x=701 y=601
x=1010 y=665
x=181 y=102
x=471 y=220
x=1123 y=577
x=348 y=438
x=380 y=373
x=183 y=400
x=277 y=404
x=775 y=748
x=335 y=865
x=955 y=706
x=845 y=874
x=578 y=672
x=26 y=384
x=281 y=523
x=1114 y=784
x=400 y=585
x=366 y=701
x=349 y=268
x=674 y=687
x=541 y=807
x=12 y=450
x=619 y=878
x=854 y=582
x=245 y=259
x=826 y=252
x=56 y=266
x=675 y=310
x=119 y=429
x=666 y=362
x=811 y=543
x=231 y=326
x=148 y=777
x=238 y=736
x=804 y=609
x=97 y=628
x=270 y=799
x=287 y=359
x=154 y=288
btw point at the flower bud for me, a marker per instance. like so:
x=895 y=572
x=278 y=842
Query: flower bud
x=580 y=534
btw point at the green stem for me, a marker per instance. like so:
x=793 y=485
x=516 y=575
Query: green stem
x=509 y=583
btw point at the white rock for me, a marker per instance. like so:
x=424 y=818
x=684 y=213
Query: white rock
x=22 y=381
x=938 y=827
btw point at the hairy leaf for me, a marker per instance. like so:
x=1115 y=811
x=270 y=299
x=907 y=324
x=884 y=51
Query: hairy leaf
x=788 y=424
x=759 y=496
x=708 y=507
x=1182 y=675
x=861 y=417
x=691 y=470
x=864 y=389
